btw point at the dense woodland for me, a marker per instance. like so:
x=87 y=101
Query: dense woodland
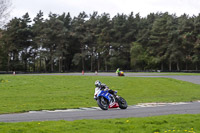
x=60 y=43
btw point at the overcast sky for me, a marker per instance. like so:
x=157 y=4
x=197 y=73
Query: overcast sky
x=144 y=7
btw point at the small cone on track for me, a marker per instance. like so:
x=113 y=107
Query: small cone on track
x=82 y=72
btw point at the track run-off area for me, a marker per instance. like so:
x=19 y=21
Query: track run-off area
x=188 y=78
x=140 y=110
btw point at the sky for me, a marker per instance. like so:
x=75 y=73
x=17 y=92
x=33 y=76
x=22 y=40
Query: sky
x=74 y=7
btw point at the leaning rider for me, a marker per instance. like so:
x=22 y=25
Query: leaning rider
x=100 y=86
x=118 y=71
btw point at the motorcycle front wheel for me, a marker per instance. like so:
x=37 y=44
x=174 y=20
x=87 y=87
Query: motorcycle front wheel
x=102 y=103
x=122 y=103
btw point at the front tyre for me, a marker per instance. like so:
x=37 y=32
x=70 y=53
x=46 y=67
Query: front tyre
x=103 y=103
x=122 y=103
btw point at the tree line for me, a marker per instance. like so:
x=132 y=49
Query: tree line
x=60 y=43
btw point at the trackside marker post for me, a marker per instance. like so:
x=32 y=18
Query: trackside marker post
x=96 y=72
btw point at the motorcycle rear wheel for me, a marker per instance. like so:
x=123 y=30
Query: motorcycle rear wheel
x=102 y=103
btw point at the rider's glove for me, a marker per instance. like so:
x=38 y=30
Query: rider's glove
x=107 y=89
x=115 y=92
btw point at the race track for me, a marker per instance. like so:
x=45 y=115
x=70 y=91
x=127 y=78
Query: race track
x=96 y=113
x=192 y=79
x=132 y=111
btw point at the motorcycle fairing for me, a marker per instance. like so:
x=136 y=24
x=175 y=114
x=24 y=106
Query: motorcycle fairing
x=104 y=94
x=107 y=95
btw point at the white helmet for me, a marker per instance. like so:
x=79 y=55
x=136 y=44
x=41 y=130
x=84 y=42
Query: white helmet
x=97 y=83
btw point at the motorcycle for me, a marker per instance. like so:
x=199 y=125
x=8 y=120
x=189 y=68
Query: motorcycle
x=106 y=100
x=121 y=73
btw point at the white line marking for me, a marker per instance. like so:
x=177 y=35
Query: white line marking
x=140 y=105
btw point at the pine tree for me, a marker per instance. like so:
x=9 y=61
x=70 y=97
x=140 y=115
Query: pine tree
x=186 y=27
x=10 y=43
x=37 y=51
x=159 y=40
x=79 y=33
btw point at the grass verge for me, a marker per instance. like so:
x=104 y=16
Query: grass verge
x=22 y=93
x=156 y=124
x=181 y=74
x=164 y=74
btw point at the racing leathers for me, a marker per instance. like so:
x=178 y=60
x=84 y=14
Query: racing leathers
x=117 y=71
x=103 y=87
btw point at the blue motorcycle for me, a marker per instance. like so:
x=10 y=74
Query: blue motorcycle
x=106 y=100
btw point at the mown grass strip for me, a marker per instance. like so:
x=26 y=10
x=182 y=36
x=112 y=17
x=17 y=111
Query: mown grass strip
x=22 y=93
x=162 y=74
x=156 y=124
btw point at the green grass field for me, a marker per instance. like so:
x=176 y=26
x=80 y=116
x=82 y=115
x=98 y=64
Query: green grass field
x=22 y=93
x=181 y=74
x=165 y=73
x=156 y=124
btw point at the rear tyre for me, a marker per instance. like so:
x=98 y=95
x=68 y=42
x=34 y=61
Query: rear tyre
x=102 y=103
x=122 y=103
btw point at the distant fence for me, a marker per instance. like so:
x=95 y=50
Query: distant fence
x=181 y=71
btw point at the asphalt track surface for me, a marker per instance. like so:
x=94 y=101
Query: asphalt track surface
x=133 y=111
x=95 y=113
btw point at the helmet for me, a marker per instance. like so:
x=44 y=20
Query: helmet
x=97 y=83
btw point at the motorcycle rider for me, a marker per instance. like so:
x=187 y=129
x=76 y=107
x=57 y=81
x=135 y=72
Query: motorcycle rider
x=100 y=86
x=118 y=71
